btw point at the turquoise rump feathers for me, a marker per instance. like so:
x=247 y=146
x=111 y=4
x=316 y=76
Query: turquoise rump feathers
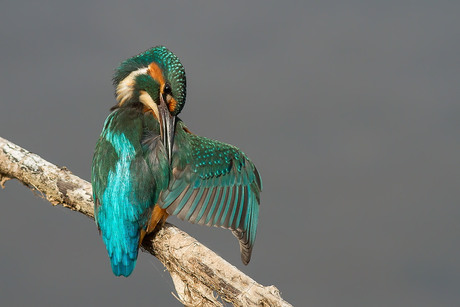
x=147 y=165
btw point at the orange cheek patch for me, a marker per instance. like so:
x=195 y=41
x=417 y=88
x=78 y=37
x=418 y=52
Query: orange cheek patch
x=156 y=73
x=172 y=104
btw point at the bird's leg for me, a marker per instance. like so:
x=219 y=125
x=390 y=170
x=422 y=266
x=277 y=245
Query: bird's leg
x=157 y=219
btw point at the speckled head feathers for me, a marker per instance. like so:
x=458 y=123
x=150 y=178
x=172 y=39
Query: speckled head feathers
x=168 y=63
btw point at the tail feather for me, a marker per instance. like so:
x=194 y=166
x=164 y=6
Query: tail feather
x=123 y=255
x=124 y=267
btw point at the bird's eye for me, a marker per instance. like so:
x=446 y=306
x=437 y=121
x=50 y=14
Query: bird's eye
x=167 y=88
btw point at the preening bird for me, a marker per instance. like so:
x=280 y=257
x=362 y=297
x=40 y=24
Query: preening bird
x=147 y=165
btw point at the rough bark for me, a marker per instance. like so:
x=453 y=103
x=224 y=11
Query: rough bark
x=200 y=276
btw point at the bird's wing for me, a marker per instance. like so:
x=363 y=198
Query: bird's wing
x=124 y=188
x=214 y=184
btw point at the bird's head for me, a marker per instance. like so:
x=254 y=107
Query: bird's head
x=156 y=80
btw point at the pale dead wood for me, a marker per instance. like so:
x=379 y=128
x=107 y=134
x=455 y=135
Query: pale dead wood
x=200 y=276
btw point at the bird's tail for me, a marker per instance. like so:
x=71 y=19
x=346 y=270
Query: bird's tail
x=122 y=253
x=124 y=267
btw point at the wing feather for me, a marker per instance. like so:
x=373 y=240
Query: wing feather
x=229 y=201
x=222 y=203
x=193 y=212
x=186 y=203
x=205 y=206
x=175 y=206
x=205 y=209
x=217 y=200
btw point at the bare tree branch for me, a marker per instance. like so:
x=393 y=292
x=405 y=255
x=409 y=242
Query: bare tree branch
x=199 y=275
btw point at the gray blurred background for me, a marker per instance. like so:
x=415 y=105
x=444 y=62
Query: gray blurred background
x=350 y=110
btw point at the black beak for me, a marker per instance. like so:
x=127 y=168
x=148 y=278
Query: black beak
x=167 y=127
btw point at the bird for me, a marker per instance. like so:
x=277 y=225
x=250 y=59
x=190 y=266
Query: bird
x=147 y=165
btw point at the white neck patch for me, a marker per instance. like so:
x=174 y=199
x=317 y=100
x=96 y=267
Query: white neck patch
x=126 y=87
x=145 y=98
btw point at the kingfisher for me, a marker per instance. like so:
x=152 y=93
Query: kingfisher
x=147 y=165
